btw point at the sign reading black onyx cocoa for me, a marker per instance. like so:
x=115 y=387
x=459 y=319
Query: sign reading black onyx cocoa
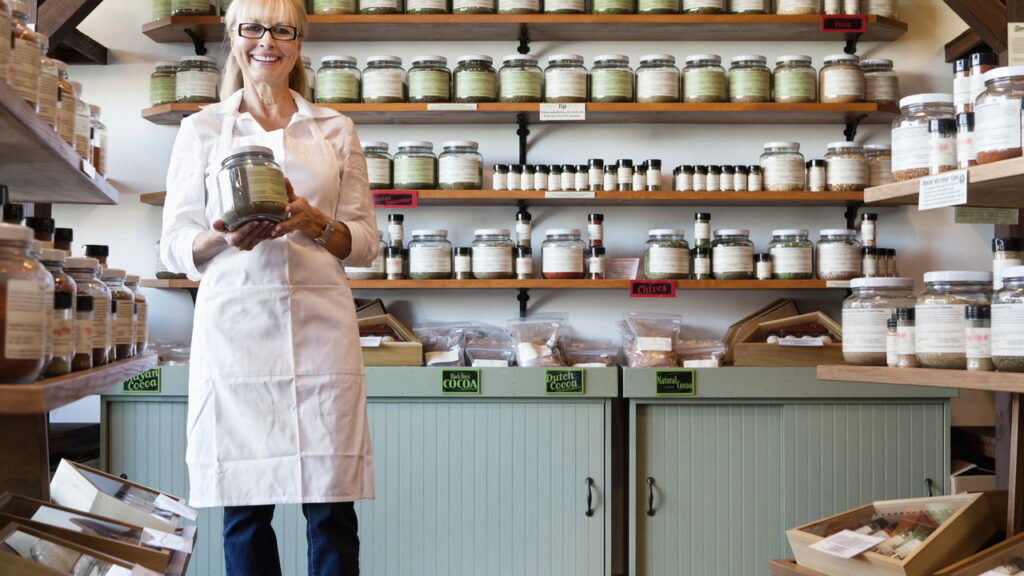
x=846 y=23
x=145 y=383
x=462 y=381
x=652 y=289
x=562 y=381
x=675 y=383
x=395 y=198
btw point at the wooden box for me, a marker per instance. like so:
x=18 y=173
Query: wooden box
x=962 y=534
x=18 y=543
x=753 y=351
x=407 y=351
x=988 y=559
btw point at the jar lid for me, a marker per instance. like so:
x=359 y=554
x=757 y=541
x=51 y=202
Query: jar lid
x=606 y=57
x=160 y=64
x=556 y=57
x=245 y=150
x=462 y=251
x=1004 y=72
x=966 y=119
x=430 y=232
x=957 y=276
x=53 y=256
x=907 y=283
x=876 y=62
x=78 y=262
x=132 y=279
x=115 y=273
x=698 y=57
x=652 y=57
x=878 y=147
x=1011 y=244
x=905 y=314
x=339 y=58
x=97 y=250
x=942 y=125
x=416 y=144
x=977 y=312
x=666 y=232
x=396 y=218
x=520 y=58
x=15 y=232
x=732 y=232
x=849 y=58
x=429 y=58
x=491 y=232
x=762 y=257
x=846 y=144
x=384 y=59
x=817 y=163
x=373 y=144
x=749 y=57
x=471 y=57
x=780 y=144
x=460 y=144
x=929 y=98
x=194 y=58
x=306 y=60
x=869 y=217
x=837 y=232
x=790 y=232
x=1013 y=272
x=562 y=232
x=984 y=59
x=793 y=58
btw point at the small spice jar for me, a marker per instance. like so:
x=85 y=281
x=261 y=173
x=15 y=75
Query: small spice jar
x=383 y=80
x=595 y=262
x=415 y=165
x=841 y=80
x=847 y=167
x=794 y=80
x=524 y=262
x=337 y=80
x=704 y=79
x=891 y=358
x=879 y=164
x=460 y=166
x=906 y=355
x=713 y=183
x=26 y=307
x=792 y=254
x=540 y=177
x=869 y=261
x=798 y=6
x=962 y=99
x=749 y=79
x=869 y=232
x=866 y=313
x=978 y=338
x=567 y=179
x=520 y=79
x=85 y=273
x=429 y=80
x=666 y=254
x=624 y=175
x=703 y=6
x=524 y=227
x=702 y=229
x=162 y=84
x=518 y=6
x=62 y=324
x=910 y=133
x=739 y=178
x=1008 y=322
x=475 y=79
x=783 y=167
x=472 y=6
x=657 y=7
x=653 y=175
x=499 y=177
x=83 y=333
x=124 y=320
x=1006 y=253
x=595 y=229
x=817 y=175
x=515 y=175
x=732 y=255
x=613 y=6
x=611 y=79
x=700 y=178
x=611 y=178
x=396 y=230
x=997 y=115
x=941 y=146
x=376 y=270
x=763 y=266
x=881 y=84
x=755 y=181
x=640 y=178
x=378 y=164
x=562 y=254
x=251 y=187
x=726 y=182
x=493 y=254
x=196 y=80
x=462 y=263
x=595 y=174
x=430 y=255
x=657 y=79
x=981 y=64
x=565 y=79
x=838 y=255
x=940 y=341
x=966 y=154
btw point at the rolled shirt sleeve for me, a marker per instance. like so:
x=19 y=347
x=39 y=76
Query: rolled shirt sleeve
x=355 y=207
x=184 y=215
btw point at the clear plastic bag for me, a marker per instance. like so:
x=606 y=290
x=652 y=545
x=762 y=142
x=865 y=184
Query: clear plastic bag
x=489 y=345
x=536 y=340
x=695 y=350
x=443 y=342
x=583 y=353
x=649 y=340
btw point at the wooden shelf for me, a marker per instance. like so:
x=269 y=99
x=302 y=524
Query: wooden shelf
x=790 y=568
x=995 y=185
x=597 y=113
x=544 y=27
x=993 y=381
x=158 y=283
x=37 y=165
x=542 y=283
x=46 y=395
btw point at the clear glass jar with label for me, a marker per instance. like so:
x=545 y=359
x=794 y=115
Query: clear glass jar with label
x=966 y=155
x=704 y=79
x=732 y=255
x=612 y=6
x=429 y=80
x=657 y=79
x=841 y=80
x=1006 y=253
x=380 y=7
x=881 y=84
x=518 y=6
x=333 y=6
x=838 y=255
x=910 y=154
x=703 y=6
x=26 y=297
x=396 y=230
x=666 y=254
x=978 y=338
x=493 y=252
x=162 y=84
x=415 y=166
x=62 y=329
x=749 y=79
x=82 y=122
x=23 y=73
x=338 y=80
x=85 y=273
x=1008 y=322
x=562 y=254
x=378 y=164
x=430 y=255
x=962 y=97
x=595 y=174
x=657 y=7
x=870 y=260
x=817 y=176
x=798 y=6
x=472 y=6
x=376 y=270
x=611 y=79
x=565 y=79
x=794 y=80
x=460 y=166
x=866 y=313
x=66 y=105
x=792 y=254
x=879 y=158
x=997 y=115
x=782 y=167
x=131 y=282
x=98 y=136
x=847 y=167
x=124 y=319
x=564 y=7
x=939 y=337
x=383 y=80
x=520 y=79
x=426 y=7
x=251 y=187
x=191 y=8
x=46 y=100
x=475 y=79
x=499 y=177
x=740 y=178
x=197 y=79
x=524 y=262
x=906 y=328
x=941 y=146
x=886 y=8
x=462 y=263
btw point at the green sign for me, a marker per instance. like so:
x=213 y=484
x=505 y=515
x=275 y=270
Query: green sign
x=563 y=381
x=461 y=381
x=145 y=383
x=675 y=382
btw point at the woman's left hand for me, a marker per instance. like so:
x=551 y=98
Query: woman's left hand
x=302 y=216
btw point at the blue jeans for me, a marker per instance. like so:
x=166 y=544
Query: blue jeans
x=250 y=546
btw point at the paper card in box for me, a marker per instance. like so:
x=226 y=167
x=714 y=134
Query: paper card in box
x=25 y=551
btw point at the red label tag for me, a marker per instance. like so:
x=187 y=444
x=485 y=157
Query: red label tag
x=395 y=198
x=845 y=23
x=652 y=289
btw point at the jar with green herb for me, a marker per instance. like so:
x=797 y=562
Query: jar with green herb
x=472 y=6
x=702 y=263
x=197 y=79
x=383 y=80
x=429 y=80
x=518 y=6
x=795 y=80
x=792 y=254
x=704 y=79
x=732 y=254
x=161 y=9
x=475 y=79
x=520 y=79
x=564 y=7
x=426 y=7
x=750 y=6
x=1008 y=322
x=191 y=8
x=430 y=255
x=565 y=79
x=460 y=166
x=612 y=6
x=337 y=80
x=334 y=6
x=415 y=166
x=611 y=79
x=162 y=84
x=378 y=164
x=657 y=7
x=657 y=79
x=379 y=7
x=703 y=6
x=940 y=338
x=666 y=254
x=749 y=79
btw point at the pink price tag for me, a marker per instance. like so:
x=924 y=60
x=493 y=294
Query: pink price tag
x=844 y=23
x=652 y=289
x=395 y=198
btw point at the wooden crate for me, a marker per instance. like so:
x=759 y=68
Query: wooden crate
x=16 y=561
x=960 y=535
x=753 y=351
x=407 y=352
x=987 y=559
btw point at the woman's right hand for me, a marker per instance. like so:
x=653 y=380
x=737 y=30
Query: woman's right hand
x=246 y=237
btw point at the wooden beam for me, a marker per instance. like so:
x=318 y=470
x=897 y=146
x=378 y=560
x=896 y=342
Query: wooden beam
x=59 y=18
x=80 y=49
x=1015 y=507
x=986 y=17
x=967 y=43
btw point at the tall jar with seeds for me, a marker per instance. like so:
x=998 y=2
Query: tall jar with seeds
x=338 y=80
x=940 y=333
x=565 y=79
x=429 y=80
x=795 y=80
x=704 y=79
x=866 y=314
x=383 y=80
x=841 y=80
x=749 y=79
x=846 y=167
x=611 y=79
x=839 y=255
x=1008 y=322
x=475 y=79
x=782 y=167
x=520 y=79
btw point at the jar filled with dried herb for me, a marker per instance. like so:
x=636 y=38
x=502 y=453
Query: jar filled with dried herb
x=749 y=79
x=732 y=255
x=415 y=166
x=657 y=7
x=124 y=321
x=520 y=79
x=518 y=6
x=704 y=79
x=475 y=79
x=162 y=84
x=666 y=254
x=910 y=133
x=611 y=79
x=429 y=79
x=841 y=80
x=460 y=166
x=472 y=6
x=978 y=338
x=378 y=164
x=383 y=80
x=333 y=6
x=493 y=254
x=62 y=329
x=657 y=79
x=795 y=80
x=430 y=255
x=1008 y=322
x=792 y=254
x=562 y=254
x=866 y=313
x=703 y=6
x=613 y=6
x=847 y=167
x=838 y=254
x=879 y=158
x=426 y=7
x=939 y=338
x=196 y=80
x=565 y=79
x=595 y=174
x=379 y=7
x=524 y=262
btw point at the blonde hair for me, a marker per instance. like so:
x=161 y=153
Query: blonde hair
x=290 y=12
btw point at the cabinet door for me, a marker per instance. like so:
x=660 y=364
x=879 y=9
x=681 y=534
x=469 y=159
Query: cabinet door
x=717 y=473
x=467 y=488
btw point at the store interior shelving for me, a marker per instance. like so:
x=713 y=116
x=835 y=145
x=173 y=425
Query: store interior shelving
x=972 y=380
x=995 y=185
x=550 y=284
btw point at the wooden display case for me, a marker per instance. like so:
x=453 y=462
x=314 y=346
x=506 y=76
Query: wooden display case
x=987 y=559
x=17 y=542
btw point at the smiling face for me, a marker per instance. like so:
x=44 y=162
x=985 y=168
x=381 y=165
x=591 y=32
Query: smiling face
x=267 y=60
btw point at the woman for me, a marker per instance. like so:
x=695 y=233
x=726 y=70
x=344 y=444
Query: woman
x=277 y=402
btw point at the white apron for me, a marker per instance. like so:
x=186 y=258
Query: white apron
x=277 y=401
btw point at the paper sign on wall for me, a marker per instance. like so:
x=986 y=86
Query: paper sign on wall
x=847 y=544
x=554 y=112
x=943 y=190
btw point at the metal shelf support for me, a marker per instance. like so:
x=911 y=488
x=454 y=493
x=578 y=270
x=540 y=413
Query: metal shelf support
x=523 y=132
x=197 y=41
x=851 y=43
x=524 y=40
x=523 y=297
x=851 y=127
x=851 y=215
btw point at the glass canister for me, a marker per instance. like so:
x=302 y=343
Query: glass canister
x=518 y=6
x=886 y=8
x=197 y=79
x=782 y=167
x=866 y=313
x=703 y=6
x=85 y=273
x=124 y=320
x=846 y=167
x=162 y=84
x=23 y=75
x=1008 y=322
x=520 y=79
x=792 y=254
x=337 y=80
x=46 y=98
x=430 y=255
x=795 y=80
x=704 y=79
x=910 y=154
x=666 y=254
x=26 y=290
x=565 y=79
x=838 y=254
x=612 y=6
x=374 y=271
x=997 y=115
x=611 y=79
x=798 y=6
x=493 y=254
x=941 y=146
x=978 y=338
x=841 y=80
x=429 y=79
x=82 y=122
x=657 y=7
x=131 y=282
x=562 y=254
x=940 y=332
x=879 y=158
x=309 y=93
x=62 y=324
x=380 y=7
x=383 y=80
x=749 y=79
x=732 y=255
x=426 y=7
x=415 y=166
x=67 y=103
x=564 y=7
x=460 y=166
x=475 y=79
x=334 y=7
x=161 y=9
x=378 y=164
x=251 y=187
x=191 y=8
x=98 y=140
x=881 y=84
x=657 y=79
x=472 y=6
x=750 y=7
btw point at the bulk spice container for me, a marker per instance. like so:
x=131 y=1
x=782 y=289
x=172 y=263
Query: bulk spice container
x=333 y=6
x=564 y=7
x=492 y=254
x=196 y=80
x=910 y=133
x=62 y=327
x=251 y=187
x=1008 y=322
x=26 y=290
x=865 y=316
x=518 y=6
x=374 y=271
x=426 y=6
x=881 y=83
x=162 y=84
x=792 y=254
x=565 y=79
x=941 y=146
x=939 y=336
x=84 y=271
x=1006 y=253
x=475 y=79
x=460 y=166
x=997 y=113
x=666 y=254
x=797 y=6
x=429 y=79
x=612 y=6
x=379 y=7
x=842 y=80
x=704 y=79
x=750 y=6
x=430 y=255
x=879 y=164
x=794 y=80
x=749 y=79
x=838 y=255
x=123 y=324
x=520 y=79
x=378 y=164
x=782 y=166
x=562 y=254
x=383 y=80
x=732 y=255
x=472 y=6
x=657 y=7
x=415 y=165
x=68 y=105
x=657 y=79
x=191 y=8
x=131 y=282
x=337 y=80
x=703 y=6
x=847 y=167
x=611 y=79
x=23 y=75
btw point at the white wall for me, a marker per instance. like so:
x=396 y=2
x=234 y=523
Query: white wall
x=139 y=151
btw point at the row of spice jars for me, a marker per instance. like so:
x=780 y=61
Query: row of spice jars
x=847 y=166
x=624 y=175
x=416 y=167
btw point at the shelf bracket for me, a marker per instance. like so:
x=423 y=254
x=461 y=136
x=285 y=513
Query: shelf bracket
x=851 y=215
x=523 y=297
x=522 y=132
x=851 y=43
x=852 y=125
x=524 y=40
x=199 y=43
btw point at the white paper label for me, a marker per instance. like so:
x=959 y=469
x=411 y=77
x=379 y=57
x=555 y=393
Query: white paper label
x=881 y=88
x=393 y=266
x=159 y=539
x=142 y=322
x=378 y=171
x=997 y=125
x=942 y=152
x=866 y=330
x=653 y=343
x=565 y=83
x=567 y=181
x=428 y=259
x=454 y=169
x=557 y=259
x=166 y=503
x=492 y=259
x=965 y=152
x=905 y=340
x=524 y=266
x=532 y=5
x=909 y=147
x=370 y=341
x=701 y=266
x=1008 y=329
x=799 y=6
x=580 y=181
x=732 y=259
x=783 y=172
x=411 y=5
x=962 y=92
x=941 y=329
x=942 y=190
x=396 y=232
x=664 y=260
x=595 y=265
x=27 y=315
x=463 y=264
x=978 y=342
x=792 y=260
x=540 y=181
x=595 y=231
x=702 y=230
x=838 y=258
x=847 y=544
x=196 y=83
x=802 y=342
x=1015 y=41
x=85 y=334
x=485 y=363
x=655 y=83
x=847 y=171
x=63 y=330
x=383 y=84
x=838 y=83
x=562 y=112
x=445 y=357
x=499 y=181
x=528 y=352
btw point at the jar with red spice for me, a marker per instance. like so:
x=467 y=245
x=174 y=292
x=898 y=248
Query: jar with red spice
x=562 y=254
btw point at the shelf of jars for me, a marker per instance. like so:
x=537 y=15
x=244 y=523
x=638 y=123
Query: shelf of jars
x=542 y=27
x=545 y=283
x=596 y=113
x=38 y=166
x=995 y=185
x=972 y=380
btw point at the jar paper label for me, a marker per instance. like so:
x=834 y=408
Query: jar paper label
x=962 y=92
x=383 y=84
x=263 y=183
x=414 y=170
x=653 y=344
x=666 y=260
x=794 y=84
x=456 y=170
x=910 y=147
x=905 y=340
x=978 y=342
x=524 y=266
x=85 y=332
x=429 y=83
x=839 y=83
x=882 y=87
x=123 y=333
x=412 y=5
x=24 y=72
x=191 y=83
x=997 y=125
x=942 y=329
x=463 y=264
x=847 y=544
x=378 y=171
x=492 y=259
x=865 y=331
x=847 y=171
x=429 y=259
x=463 y=5
x=565 y=83
x=175 y=506
x=701 y=84
x=782 y=171
x=726 y=259
x=473 y=84
x=562 y=259
x=750 y=83
x=24 y=337
x=792 y=260
x=1008 y=329
x=519 y=83
x=336 y=85
x=657 y=83
x=837 y=258
x=442 y=358
x=63 y=330
x=611 y=84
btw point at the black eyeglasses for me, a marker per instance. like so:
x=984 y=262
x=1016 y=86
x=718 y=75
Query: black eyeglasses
x=277 y=32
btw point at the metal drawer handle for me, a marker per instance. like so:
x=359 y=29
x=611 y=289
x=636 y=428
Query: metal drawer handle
x=650 y=495
x=590 y=497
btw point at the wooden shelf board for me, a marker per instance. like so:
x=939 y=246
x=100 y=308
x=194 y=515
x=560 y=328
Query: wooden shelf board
x=993 y=381
x=37 y=165
x=790 y=568
x=996 y=185
x=597 y=113
x=542 y=27
x=545 y=284
x=46 y=395
x=158 y=283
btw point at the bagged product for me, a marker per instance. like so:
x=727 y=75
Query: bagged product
x=489 y=345
x=536 y=340
x=443 y=342
x=582 y=353
x=649 y=339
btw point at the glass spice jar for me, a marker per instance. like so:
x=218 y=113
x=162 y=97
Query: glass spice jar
x=429 y=80
x=997 y=115
x=792 y=254
x=595 y=256
x=376 y=270
x=67 y=104
x=524 y=262
x=879 y=164
x=653 y=175
x=62 y=329
x=394 y=262
x=515 y=175
x=520 y=79
x=565 y=79
x=493 y=254
x=379 y=7
x=657 y=79
x=46 y=101
x=978 y=338
x=462 y=263
x=755 y=180
x=906 y=355
x=881 y=84
x=739 y=179
x=334 y=7
x=782 y=165
x=612 y=6
x=430 y=255
x=426 y=7
x=940 y=341
x=611 y=79
x=966 y=155
x=640 y=178
x=702 y=263
x=763 y=266
x=396 y=230
x=85 y=273
x=475 y=79
x=700 y=178
x=941 y=146
x=703 y=6
x=472 y=6
x=714 y=179
x=666 y=254
x=98 y=137
x=817 y=176
x=251 y=187
x=564 y=7
x=378 y=164
x=562 y=254
x=866 y=313
x=749 y=79
x=838 y=255
x=595 y=229
x=732 y=255
x=847 y=169
x=683 y=178
x=798 y=6
x=702 y=229
x=1006 y=253
x=307 y=67
x=499 y=177
x=131 y=282
x=704 y=79
x=415 y=166
x=528 y=177
x=657 y=7
x=460 y=166
x=595 y=174
x=518 y=6
x=910 y=133
x=841 y=80
x=1008 y=322
x=197 y=79
x=83 y=333
x=162 y=84
x=869 y=230
x=124 y=321
x=794 y=80
x=383 y=80
x=611 y=178
x=26 y=297
x=540 y=177
x=338 y=80
x=962 y=86
x=869 y=262
x=82 y=122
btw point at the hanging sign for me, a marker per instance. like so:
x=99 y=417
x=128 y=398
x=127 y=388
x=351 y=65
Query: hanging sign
x=562 y=381
x=395 y=198
x=844 y=23
x=652 y=289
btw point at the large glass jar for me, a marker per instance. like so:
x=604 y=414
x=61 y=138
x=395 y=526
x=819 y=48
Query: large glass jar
x=46 y=99
x=518 y=6
x=520 y=79
x=657 y=7
x=492 y=254
x=430 y=80
x=161 y=9
x=426 y=7
x=131 y=282
x=562 y=254
x=838 y=254
x=379 y=7
x=85 y=273
x=749 y=79
x=378 y=164
x=798 y=6
x=666 y=254
x=472 y=6
x=191 y=8
x=374 y=271
x=251 y=187
x=750 y=6
x=792 y=254
x=782 y=166
x=197 y=79
x=26 y=291
x=162 y=84
x=866 y=313
x=611 y=79
x=460 y=166
x=612 y=6
x=910 y=137
x=846 y=167
x=704 y=79
x=564 y=7
x=334 y=6
x=415 y=166
x=475 y=79
x=997 y=113
x=703 y=6
x=124 y=318
x=881 y=84
x=337 y=80
x=82 y=122
x=383 y=80
x=657 y=79
x=841 y=80
x=1008 y=322
x=67 y=104
x=565 y=79
x=23 y=75
x=98 y=140
x=62 y=328
x=732 y=255
x=795 y=80
x=940 y=336
x=430 y=255
x=879 y=164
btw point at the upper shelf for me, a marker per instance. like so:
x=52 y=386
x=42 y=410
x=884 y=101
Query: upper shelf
x=994 y=381
x=578 y=27
x=45 y=395
x=995 y=185
x=37 y=165
x=543 y=283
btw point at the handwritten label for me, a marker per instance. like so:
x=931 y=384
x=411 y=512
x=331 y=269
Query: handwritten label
x=847 y=544
x=395 y=198
x=845 y=23
x=560 y=381
x=168 y=504
x=568 y=194
x=146 y=383
x=652 y=289
x=562 y=112
x=942 y=190
x=675 y=383
x=159 y=539
x=370 y=341
x=972 y=215
x=621 y=268
x=457 y=107
x=461 y=381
